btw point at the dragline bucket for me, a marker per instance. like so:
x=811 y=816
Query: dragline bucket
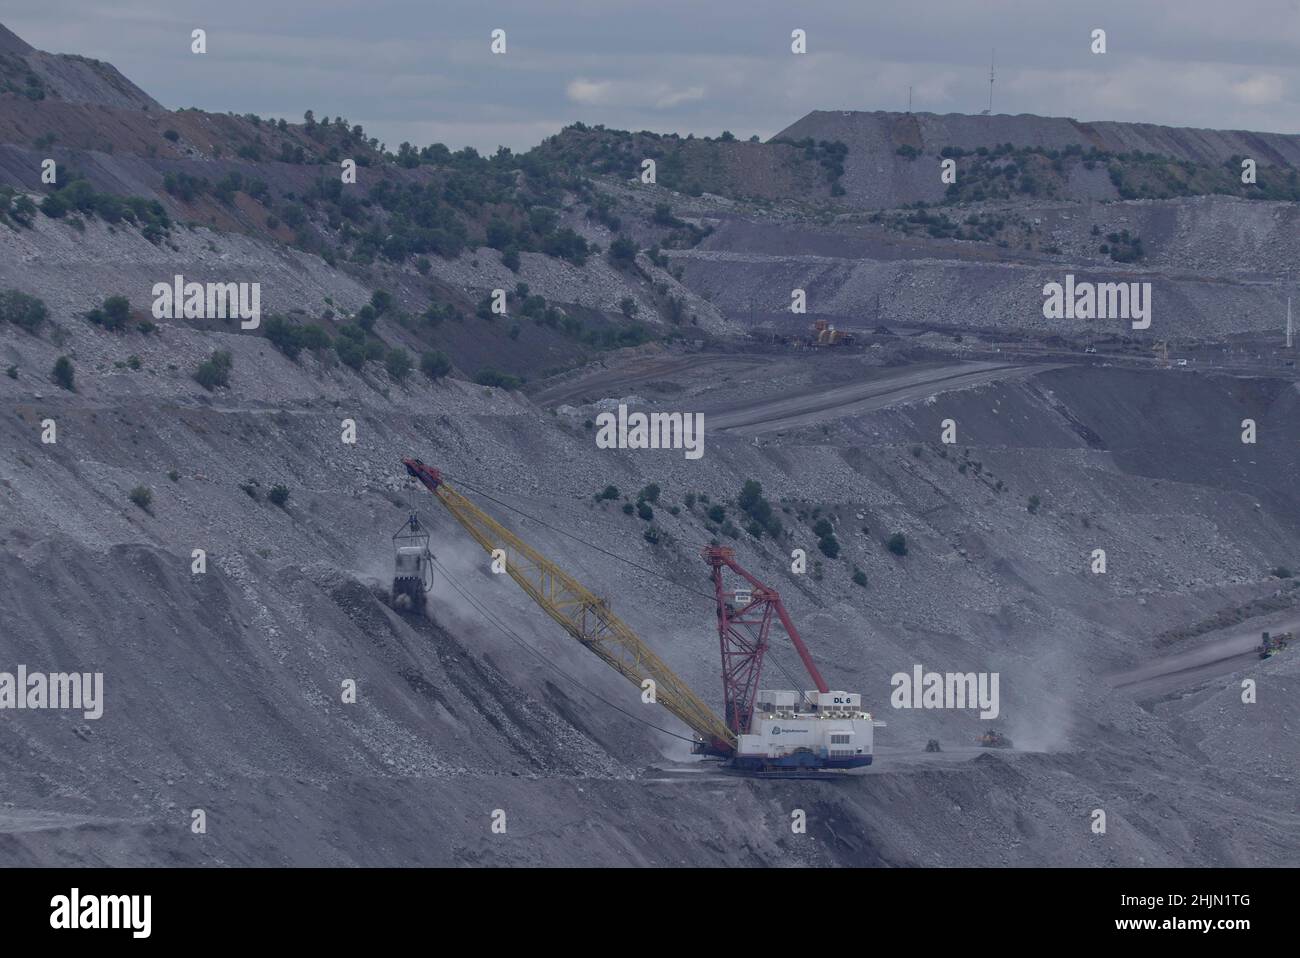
x=412 y=566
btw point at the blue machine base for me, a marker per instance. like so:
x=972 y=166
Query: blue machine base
x=797 y=761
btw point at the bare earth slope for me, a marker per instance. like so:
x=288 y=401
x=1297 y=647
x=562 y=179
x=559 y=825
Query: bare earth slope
x=223 y=689
x=225 y=683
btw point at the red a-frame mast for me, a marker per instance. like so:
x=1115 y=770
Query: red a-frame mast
x=744 y=620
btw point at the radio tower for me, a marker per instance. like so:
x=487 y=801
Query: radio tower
x=992 y=55
x=1288 y=322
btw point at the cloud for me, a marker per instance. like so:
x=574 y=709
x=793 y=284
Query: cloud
x=587 y=91
x=631 y=93
x=671 y=98
x=1260 y=89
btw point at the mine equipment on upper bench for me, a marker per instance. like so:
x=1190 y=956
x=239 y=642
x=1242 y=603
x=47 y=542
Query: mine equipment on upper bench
x=994 y=739
x=825 y=334
x=412 y=565
x=766 y=731
x=1272 y=643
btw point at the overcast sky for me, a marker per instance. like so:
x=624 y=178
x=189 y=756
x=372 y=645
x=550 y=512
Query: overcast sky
x=421 y=70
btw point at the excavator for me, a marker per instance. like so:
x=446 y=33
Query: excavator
x=766 y=732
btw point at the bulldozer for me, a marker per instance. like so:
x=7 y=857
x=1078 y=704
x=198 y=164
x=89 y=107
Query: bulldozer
x=412 y=566
x=994 y=739
x=1270 y=645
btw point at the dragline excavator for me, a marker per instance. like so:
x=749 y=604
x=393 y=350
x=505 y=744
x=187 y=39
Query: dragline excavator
x=765 y=731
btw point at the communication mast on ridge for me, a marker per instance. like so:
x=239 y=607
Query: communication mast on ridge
x=992 y=56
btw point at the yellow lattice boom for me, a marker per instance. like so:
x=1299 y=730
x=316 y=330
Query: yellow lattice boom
x=581 y=613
